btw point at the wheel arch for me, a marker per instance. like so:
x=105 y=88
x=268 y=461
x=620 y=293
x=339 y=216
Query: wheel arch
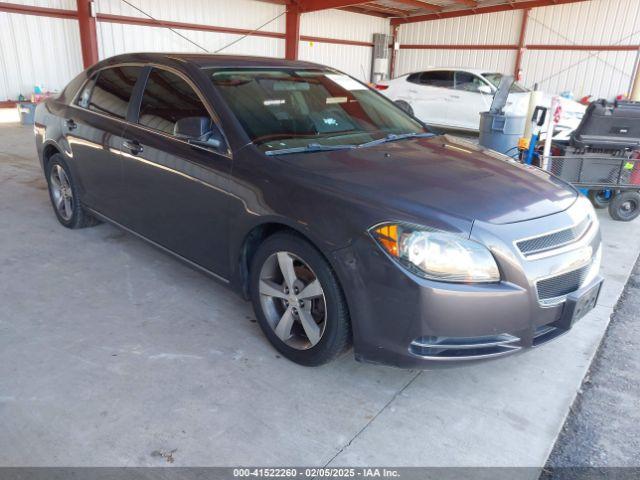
x=48 y=151
x=258 y=234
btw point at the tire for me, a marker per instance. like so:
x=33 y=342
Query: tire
x=598 y=198
x=273 y=301
x=625 y=206
x=64 y=195
x=404 y=106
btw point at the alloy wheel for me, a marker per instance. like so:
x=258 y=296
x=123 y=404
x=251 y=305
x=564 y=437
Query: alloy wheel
x=292 y=300
x=61 y=192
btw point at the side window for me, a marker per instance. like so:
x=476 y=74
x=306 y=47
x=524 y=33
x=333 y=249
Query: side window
x=468 y=82
x=85 y=93
x=439 y=78
x=168 y=98
x=414 y=78
x=112 y=90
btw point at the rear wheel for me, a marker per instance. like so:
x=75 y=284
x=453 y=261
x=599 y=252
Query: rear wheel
x=298 y=301
x=600 y=198
x=625 y=206
x=64 y=195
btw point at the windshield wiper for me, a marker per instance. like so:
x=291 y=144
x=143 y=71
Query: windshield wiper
x=392 y=137
x=312 y=147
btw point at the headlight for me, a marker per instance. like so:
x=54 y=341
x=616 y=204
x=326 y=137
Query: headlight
x=437 y=255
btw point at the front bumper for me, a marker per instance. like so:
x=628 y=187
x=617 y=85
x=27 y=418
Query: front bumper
x=404 y=320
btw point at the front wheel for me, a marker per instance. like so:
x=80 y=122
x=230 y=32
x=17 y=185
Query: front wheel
x=625 y=206
x=298 y=302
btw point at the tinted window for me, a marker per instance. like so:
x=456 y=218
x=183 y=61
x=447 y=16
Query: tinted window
x=112 y=90
x=494 y=79
x=414 y=78
x=281 y=108
x=84 y=96
x=168 y=98
x=468 y=82
x=443 y=79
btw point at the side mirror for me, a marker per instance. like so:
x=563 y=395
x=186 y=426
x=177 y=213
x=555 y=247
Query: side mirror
x=199 y=131
x=486 y=89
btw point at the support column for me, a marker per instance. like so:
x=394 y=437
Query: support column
x=292 y=37
x=517 y=71
x=88 y=33
x=635 y=90
x=392 y=57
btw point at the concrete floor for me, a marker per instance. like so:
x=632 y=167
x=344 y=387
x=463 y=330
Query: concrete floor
x=603 y=427
x=114 y=354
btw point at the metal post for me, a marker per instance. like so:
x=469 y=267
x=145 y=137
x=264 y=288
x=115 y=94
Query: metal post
x=521 y=45
x=635 y=89
x=88 y=35
x=292 y=38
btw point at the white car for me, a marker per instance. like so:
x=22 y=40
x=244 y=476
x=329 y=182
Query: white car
x=454 y=98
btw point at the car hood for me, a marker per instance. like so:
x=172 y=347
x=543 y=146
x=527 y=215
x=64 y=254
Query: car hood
x=443 y=174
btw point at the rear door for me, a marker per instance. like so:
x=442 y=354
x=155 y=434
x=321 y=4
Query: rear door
x=175 y=192
x=93 y=128
x=430 y=96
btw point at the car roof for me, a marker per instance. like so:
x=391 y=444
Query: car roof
x=477 y=71
x=204 y=60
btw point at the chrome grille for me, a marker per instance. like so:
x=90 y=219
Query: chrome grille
x=550 y=290
x=553 y=240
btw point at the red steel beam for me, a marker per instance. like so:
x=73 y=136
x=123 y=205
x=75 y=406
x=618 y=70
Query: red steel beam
x=479 y=10
x=148 y=22
x=336 y=41
x=315 y=5
x=38 y=11
x=521 y=46
x=420 y=5
x=292 y=37
x=468 y=3
x=586 y=48
x=368 y=11
x=88 y=33
x=457 y=47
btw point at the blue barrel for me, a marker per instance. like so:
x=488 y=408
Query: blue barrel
x=501 y=132
x=27 y=112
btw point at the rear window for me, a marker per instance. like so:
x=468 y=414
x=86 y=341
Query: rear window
x=112 y=90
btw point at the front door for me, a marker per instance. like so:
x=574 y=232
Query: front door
x=470 y=96
x=175 y=193
x=430 y=97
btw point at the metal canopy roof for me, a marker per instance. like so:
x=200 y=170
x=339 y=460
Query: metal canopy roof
x=407 y=11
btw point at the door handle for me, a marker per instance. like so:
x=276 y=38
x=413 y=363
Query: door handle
x=455 y=96
x=71 y=125
x=133 y=146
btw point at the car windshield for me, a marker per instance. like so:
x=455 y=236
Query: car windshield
x=283 y=108
x=494 y=79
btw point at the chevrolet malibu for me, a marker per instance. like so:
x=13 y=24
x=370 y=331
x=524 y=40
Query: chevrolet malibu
x=337 y=214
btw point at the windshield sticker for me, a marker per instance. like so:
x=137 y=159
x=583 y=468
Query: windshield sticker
x=274 y=102
x=332 y=100
x=345 y=82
